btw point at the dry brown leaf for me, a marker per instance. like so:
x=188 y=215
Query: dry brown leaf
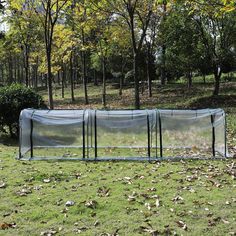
x=131 y=198
x=127 y=180
x=158 y=203
x=47 y=180
x=149 y=229
x=103 y=192
x=91 y=204
x=5 y=225
x=49 y=232
x=24 y=192
x=70 y=203
x=211 y=223
x=177 y=199
x=182 y=225
x=151 y=189
x=78 y=175
x=96 y=223
x=80 y=229
x=225 y=221
x=2 y=185
x=148 y=205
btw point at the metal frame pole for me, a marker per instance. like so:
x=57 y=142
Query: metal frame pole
x=213 y=135
x=83 y=133
x=20 y=139
x=31 y=136
x=160 y=130
x=95 y=135
x=156 y=132
x=148 y=130
x=225 y=126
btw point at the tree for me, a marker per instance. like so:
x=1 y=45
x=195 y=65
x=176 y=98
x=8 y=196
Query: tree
x=136 y=14
x=217 y=31
x=182 y=41
x=49 y=11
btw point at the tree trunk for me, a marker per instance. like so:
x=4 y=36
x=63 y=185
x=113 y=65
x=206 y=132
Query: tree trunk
x=217 y=75
x=104 y=81
x=84 y=77
x=26 y=65
x=163 y=69
x=63 y=82
x=149 y=80
x=18 y=70
x=10 y=73
x=122 y=77
x=121 y=85
x=15 y=69
x=49 y=79
x=204 y=78
x=2 y=74
x=136 y=81
x=189 y=78
x=36 y=76
x=95 y=81
x=72 y=79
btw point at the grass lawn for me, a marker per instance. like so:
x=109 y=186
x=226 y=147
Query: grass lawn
x=123 y=198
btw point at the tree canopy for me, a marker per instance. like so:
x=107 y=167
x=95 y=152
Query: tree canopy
x=122 y=42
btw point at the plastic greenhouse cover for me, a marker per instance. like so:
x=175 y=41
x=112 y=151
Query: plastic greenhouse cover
x=82 y=128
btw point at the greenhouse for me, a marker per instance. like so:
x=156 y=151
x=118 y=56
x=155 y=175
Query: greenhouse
x=122 y=134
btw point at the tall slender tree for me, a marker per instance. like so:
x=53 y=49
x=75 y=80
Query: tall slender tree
x=49 y=11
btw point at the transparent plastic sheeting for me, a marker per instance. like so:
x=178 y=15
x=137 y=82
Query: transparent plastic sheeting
x=122 y=134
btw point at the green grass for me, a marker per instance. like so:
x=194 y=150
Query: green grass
x=130 y=198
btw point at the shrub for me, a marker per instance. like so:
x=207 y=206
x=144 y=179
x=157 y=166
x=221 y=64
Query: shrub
x=13 y=99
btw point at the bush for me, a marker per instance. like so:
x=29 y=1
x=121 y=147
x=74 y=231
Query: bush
x=13 y=99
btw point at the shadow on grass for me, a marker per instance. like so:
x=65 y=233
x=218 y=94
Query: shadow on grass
x=94 y=100
x=5 y=139
x=222 y=101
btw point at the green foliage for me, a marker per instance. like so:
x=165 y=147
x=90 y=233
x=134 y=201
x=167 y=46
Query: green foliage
x=13 y=99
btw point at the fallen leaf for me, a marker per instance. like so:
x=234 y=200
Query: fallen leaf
x=64 y=210
x=70 y=203
x=5 y=225
x=2 y=185
x=96 y=223
x=149 y=229
x=24 y=192
x=49 y=232
x=78 y=175
x=91 y=204
x=148 y=205
x=80 y=229
x=127 y=180
x=182 y=225
x=225 y=221
x=158 y=203
x=177 y=199
x=132 y=197
x=151 y=189
x=211 y=223
x=103 y=192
